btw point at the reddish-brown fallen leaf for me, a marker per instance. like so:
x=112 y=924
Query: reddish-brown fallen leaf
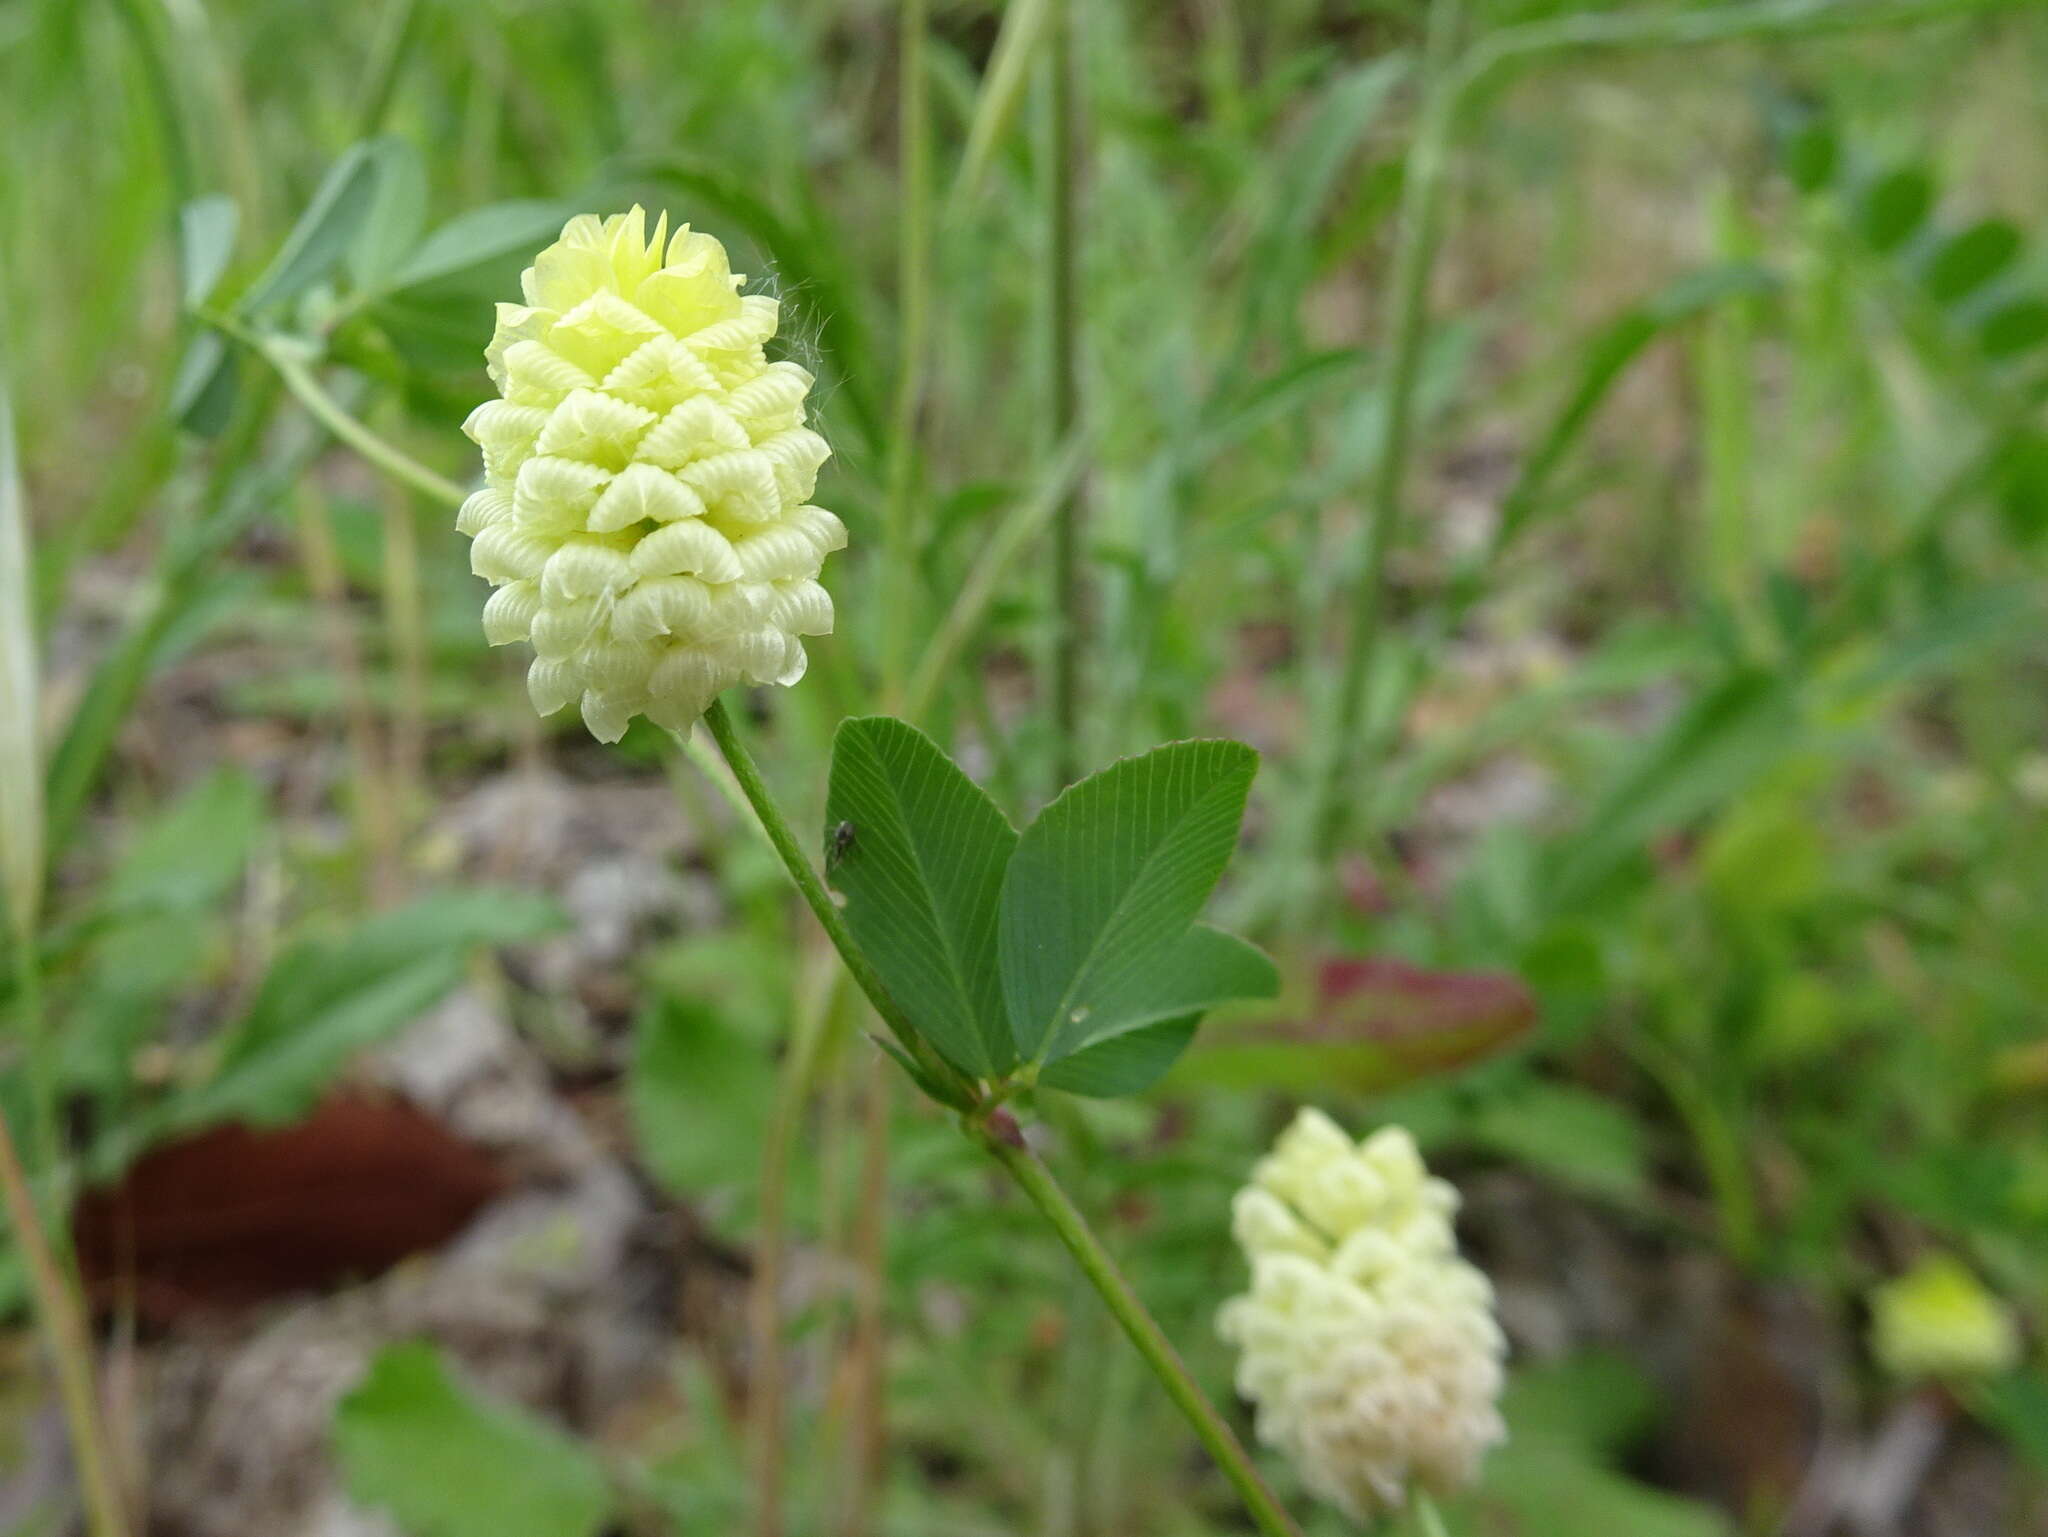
x=1373 y=1023
x=1388 y=997
x=233 y=1216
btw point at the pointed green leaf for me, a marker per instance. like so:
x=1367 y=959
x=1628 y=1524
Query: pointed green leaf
x=437 y=308
x=1104 y=885
x=1128 y=1064
x=483 y=240
x=919 y=851
x=203 y=393
x=444 y=1461
x=195 y=849
x=396 y=217
x=2020 y=482
x=2016 y=326
x=1604 y=362
x=277 y=1077
x=1136 y=1040
x=1203 y=968
x=206 y=239
x=1812 y=154
x=1896 y=205
x=330 y=222
x=1969 y=259
x=698 y=1092
x=326 y=998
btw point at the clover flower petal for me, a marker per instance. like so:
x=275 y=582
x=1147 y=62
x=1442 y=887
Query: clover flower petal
x=1366 y=1344
x=645 y=517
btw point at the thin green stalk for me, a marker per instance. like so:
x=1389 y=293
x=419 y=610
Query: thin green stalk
x=903 y=544
x=713 y=768
x=230 y=502
x=900 y=551
x=1363 y=565
x=1002 y=89
x=998 y=1134
x=330 y=413
x=38 y=1056
x=1063 y=323
x=405 y=627
x=1138 y=1325
x=146 y=24
x=1429 y=1521
x=1731 y=527
x=1343 y=758
x=998 y=557
x=56 y=1298
x=870 y=1410
x=23 y=841
x=374 y=804
x=785 y=1119
x=776 y=827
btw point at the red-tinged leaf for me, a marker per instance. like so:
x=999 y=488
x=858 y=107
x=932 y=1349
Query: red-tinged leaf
x=1373 y=1023
x=233 y=1216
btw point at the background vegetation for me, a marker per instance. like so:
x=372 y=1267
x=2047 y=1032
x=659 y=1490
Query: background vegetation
x=1673 y=869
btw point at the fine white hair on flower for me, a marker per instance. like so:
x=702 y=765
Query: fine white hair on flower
x=645 y=516
x=1367 y=1346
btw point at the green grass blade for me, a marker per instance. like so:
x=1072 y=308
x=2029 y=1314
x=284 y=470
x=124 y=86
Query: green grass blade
x=21 y=790
x=1002 y=89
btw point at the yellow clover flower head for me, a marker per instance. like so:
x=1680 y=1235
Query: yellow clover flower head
x=1937 y=1320
x=645 y=515
x=1367 y=1345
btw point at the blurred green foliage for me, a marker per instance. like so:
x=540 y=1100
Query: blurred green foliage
x=1712 y=706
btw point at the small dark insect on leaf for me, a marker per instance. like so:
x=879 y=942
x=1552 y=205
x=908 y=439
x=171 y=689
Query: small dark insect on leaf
x=842 y=840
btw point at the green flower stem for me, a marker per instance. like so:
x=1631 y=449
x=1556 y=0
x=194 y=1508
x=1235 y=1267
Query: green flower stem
x=747 y=773
x=56 y=1299
x=1447 y=110
x=329 y=413
x=998 y=1134
x=1429 y=1521
x=1137 y=1322
x=287 y=358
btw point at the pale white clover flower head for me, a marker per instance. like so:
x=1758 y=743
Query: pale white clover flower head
x=1367 y=1345
x=645 y=516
